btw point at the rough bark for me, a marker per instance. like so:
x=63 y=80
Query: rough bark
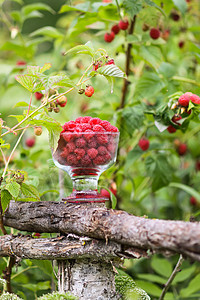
x=63 y=247
x=88 y=279
x=102 y=223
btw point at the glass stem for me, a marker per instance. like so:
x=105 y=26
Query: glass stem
x=85 y=184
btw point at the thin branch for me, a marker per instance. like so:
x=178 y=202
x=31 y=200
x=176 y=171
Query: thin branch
x=171 y=278
x=1 y=213
x=7 y=274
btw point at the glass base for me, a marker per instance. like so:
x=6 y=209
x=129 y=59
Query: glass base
x=85 y=197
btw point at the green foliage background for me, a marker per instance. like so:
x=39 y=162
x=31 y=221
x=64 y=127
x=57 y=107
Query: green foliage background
x=157 y=183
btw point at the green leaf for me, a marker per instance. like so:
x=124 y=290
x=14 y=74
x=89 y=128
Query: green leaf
x=151 y=3
x=186 y=188
x=58 y=80
x=79 y=8
x=27 y=9
x=152 y=278
x=81 y=49
x=29 y=191
x=181 y=5
x=46 y=67
x=133 y=118
x=113 y=200
x=111 y=70
x=54 y=135
x=26 y=81
x=48 y=31
x=5 y=199
x=161 y=266
x=149 y=287
x=21 y=104
x=132 y=7
x=152 y=55
x=184 y=274
x=13 y=188
x=191 y=288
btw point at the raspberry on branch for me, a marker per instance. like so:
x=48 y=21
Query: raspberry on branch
x=89 y=91
x=123 y=24
x=109 y=37
x=144 y=144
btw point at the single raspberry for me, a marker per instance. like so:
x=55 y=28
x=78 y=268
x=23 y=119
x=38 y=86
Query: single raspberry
x=67 y=136
x=106 y=125
x=181 y=44
x=38 y=96
x=71 y=147
x=85 y=119
x=144 y=144
x=88 y=134
x=38 y=130
x=113 y=129
x=175 y=16
x=62 y=101
x=92 y=153
x=78 y=120
x=72 y=160
x=107 y=158
x=85 y=126
x=30 y=142
x=95 y=121
x=182 y=149
x=79 y=152
x=171 y=129
x=69 y=126
x=65 y=153
x=115 y=29
x=86 y=161
x=197 y=165
x=176 y=118
x=81 y=143
x=154 y=33
x=105 y=193
x=193 y=201
x=102 y=150
x=99 y=160
x=184 y=99
x=96 y=66
x=111 y=148
x=110 y=62
x=109 y=37
x=92 y=143
x=195 y=99
x=20 y=63
x=102 y=139
x=123 y=25
x=89 y=91
x=98 y=128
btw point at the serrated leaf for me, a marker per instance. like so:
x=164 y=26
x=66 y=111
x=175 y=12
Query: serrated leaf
x=152 y=55
x=27 y=9
x=29 y=191
x=80 y=7
x=13 y=188
x=58 y=80
x=5 y=199
x=191 y=288
x=162 y=266
x=151 y=3
x=3 y=144
x=46 y=67
x=48 y=31
x=54 y=135
x=33 y=70
x=26 y=81
x=132 y=7
x=133 y=118
x=181 y=5
x=81 y=49
x=21 y=104
x=18 y=117
x=111 y=70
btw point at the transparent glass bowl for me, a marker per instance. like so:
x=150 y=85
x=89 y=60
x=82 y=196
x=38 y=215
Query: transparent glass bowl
x=84 y=156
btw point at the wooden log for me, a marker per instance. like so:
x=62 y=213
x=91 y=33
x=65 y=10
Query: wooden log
x=102 y=223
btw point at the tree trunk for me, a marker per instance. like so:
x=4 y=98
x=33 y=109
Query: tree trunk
x=87 y=279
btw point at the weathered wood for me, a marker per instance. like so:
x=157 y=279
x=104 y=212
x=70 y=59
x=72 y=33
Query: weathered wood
x=102 y=223
x=64 y=247
x=87 y=279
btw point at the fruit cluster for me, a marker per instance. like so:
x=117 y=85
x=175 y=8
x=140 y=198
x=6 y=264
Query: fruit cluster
x=87 y=142
x=53 y=106
x=122 y=25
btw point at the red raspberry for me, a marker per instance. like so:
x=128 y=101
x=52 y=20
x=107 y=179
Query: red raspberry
x=106 y=125
x=176 y=118
x=79 y=119
x=92 y=143
x=92 y=153
x=30 y=142
x=182 y=149
x=69 y=126
x=102 y=150
x=72 y=160
x=98 y=128
x=102 y=139
x=62 y=101
x=197 y=165
x=67 y=136
x=171 y=129
x=96 y=66
x=86 y=161
x=193 y=201
x=20 y=63
x=85 y=119
x=64 y=153
x=95 y=121
x=71 y=147
x=85 y=126
x=89 y=91
x=113 y=129
x=115 y=29
x=88 y=134
x=123 y=25
x=38 y=95
x=144 y=144
x=111 y=148
x=195 y=99
x=109 y=37
x=99 y=160
x=110 y=62
x=80 y=143
x=181 y=44
x=154 y=33
x=79 y=152
x=105 y=193
x=107 y=158
x=184 y=99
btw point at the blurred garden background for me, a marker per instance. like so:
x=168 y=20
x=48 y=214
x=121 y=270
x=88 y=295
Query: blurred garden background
x=159 y=50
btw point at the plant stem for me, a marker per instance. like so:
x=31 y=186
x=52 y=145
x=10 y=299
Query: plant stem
x=128 y=61
x=185 y=80
x=1 y=213
x=171 y=278
x=7 y=274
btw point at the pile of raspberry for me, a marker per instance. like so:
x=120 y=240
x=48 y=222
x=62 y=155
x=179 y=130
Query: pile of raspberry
x=87 y=142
